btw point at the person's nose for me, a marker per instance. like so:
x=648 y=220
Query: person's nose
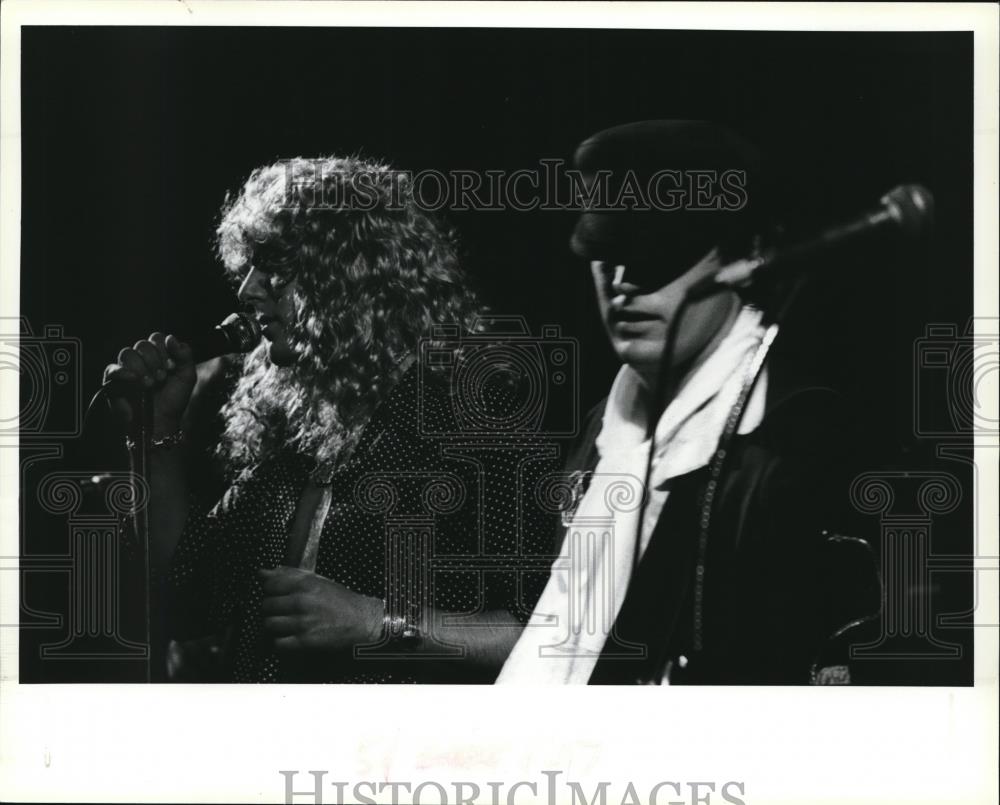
x=620 y=285
x=252 y=288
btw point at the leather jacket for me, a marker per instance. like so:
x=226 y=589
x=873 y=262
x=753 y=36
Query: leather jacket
x=780 y=586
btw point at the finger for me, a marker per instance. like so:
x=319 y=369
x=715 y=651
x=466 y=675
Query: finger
x=286 y=569
x=279 y=582
x=282 y=605
x=283 y=625
x=178 y=351
x=115 y=373
x=289 y=643
x=149 y=352
x=131 y=361
x=293 y=572
x=282 y=580
x=119 y=384
x=175 y=660
x=159 y=340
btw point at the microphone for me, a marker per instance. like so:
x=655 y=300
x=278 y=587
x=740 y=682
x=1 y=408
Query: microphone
x=236 y=333
x=904 y=213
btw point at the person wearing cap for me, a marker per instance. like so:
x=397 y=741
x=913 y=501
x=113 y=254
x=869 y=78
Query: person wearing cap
x=703 y=499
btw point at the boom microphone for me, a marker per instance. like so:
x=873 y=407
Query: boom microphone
x=236 y=333
x=905 y=213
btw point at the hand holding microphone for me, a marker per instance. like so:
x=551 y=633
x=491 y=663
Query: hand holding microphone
x=165 y=367
x=161 y=365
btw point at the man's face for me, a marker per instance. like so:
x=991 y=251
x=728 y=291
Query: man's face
x=274 y=308
x=637 y=308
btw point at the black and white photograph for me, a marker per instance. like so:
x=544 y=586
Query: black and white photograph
x=524 y=357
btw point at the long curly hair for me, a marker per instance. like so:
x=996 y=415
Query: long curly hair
x=374 y=273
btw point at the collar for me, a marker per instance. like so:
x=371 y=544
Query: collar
x=689 y=428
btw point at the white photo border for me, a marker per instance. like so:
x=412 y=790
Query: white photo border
x=116 y=743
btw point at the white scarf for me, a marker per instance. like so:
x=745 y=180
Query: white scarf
x=571 y=622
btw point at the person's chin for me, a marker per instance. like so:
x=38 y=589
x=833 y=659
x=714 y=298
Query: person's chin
x=281 y=354
x=637 y=348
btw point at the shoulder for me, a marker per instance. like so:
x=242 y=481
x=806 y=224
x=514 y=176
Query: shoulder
x=583 y=453
x=479 y=405
x=797 y=464
x=804 y=414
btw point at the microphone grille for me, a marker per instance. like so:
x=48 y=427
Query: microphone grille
x=912 y=208
x=241 y=332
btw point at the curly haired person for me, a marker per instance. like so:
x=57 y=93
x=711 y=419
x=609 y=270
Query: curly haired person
x=318 y=555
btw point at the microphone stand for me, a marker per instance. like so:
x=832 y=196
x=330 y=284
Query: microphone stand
x=142 y=436
x=664 y=380
x=774 y=302
x=237 y=333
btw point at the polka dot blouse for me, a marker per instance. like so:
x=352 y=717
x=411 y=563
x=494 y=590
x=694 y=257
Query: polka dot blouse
x=429 y=510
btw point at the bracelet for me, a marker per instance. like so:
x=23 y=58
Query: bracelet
x=175 y=439
x=397 y=630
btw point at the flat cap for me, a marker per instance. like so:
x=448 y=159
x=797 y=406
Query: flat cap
x=667 y=191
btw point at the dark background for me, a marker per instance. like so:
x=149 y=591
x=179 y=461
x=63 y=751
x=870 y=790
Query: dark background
x=133 y=136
